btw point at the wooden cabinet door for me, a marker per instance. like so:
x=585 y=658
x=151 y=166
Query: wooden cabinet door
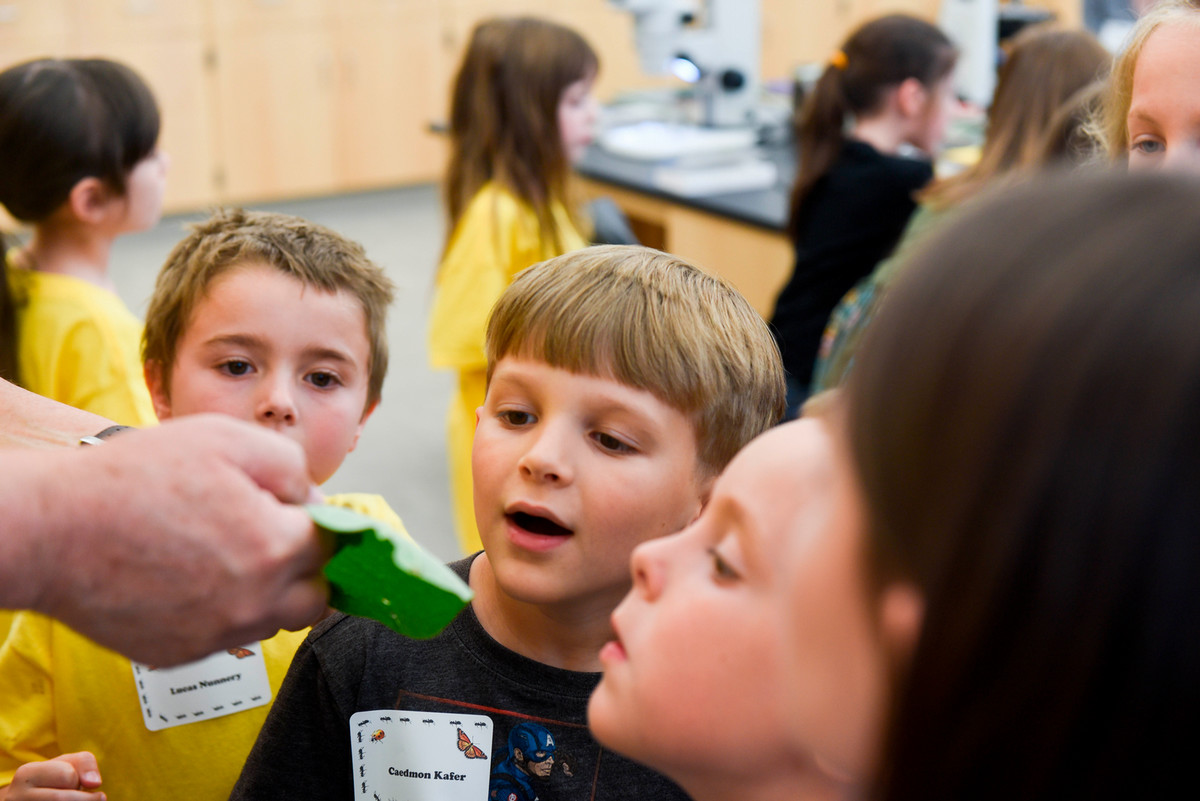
x=250 y=15
x=98 y=24
x=391 y=86
x=276 y=114
x=32 y=29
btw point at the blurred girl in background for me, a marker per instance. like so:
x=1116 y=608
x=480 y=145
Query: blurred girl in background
x=888 y=88
x=1043 y=72
x=521 y=111
x=79 y=138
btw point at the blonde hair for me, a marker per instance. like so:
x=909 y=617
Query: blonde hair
x=313 y=254
x=1045 y=68
x=1109 y=124
x=653 y=322
x=504 y=116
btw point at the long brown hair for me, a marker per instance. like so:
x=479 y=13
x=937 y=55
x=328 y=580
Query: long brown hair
x=1023 y=419
x=504 y=115
x=1045 y=68
x=878 y=56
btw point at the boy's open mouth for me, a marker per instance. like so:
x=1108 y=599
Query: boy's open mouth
x=539 y=525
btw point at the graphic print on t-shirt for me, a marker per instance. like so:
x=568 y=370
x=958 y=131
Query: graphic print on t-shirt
x=528 y=758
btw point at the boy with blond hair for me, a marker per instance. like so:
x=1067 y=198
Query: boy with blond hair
x=270 y=319
x=621 y=381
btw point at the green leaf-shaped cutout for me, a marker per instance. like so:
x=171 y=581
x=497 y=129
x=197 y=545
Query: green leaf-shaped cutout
x=378 y=573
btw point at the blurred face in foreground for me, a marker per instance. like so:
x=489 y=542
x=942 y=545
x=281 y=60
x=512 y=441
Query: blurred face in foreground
x=1164 y=112
x=749 y=651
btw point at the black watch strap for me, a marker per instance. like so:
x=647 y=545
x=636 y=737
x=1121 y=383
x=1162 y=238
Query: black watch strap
x=99 y=437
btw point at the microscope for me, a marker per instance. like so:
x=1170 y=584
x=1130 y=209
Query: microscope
x=712 y=44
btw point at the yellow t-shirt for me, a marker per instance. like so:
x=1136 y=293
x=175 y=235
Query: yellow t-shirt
x=78 y=344
x=60 y=693
x=495 y=239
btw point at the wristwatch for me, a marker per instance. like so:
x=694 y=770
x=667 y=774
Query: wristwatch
x=100 y=436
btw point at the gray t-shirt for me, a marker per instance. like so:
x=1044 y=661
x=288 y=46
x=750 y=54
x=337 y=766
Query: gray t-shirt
x=350 y=665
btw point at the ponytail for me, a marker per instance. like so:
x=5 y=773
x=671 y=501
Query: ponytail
x=820 y=134
x=878 y=56
x=8 y=322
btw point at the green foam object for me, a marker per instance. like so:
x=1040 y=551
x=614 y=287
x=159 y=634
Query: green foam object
x=377 y=572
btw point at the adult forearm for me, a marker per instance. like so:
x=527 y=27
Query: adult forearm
x=31 y=421
x=36 y=517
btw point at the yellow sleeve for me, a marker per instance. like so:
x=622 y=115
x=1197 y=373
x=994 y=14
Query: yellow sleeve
x=79 y=344
x=370 y=505
x=96 y=373
x=27 y=722
x=496 y=238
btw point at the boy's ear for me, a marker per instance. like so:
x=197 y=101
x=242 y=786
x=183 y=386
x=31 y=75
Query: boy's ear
x=911 y=96
x=152 y=370
x=362 y=422
x=90 y=200
x=704 y=484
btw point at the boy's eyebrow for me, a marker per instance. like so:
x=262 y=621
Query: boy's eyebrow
x=330 y=354
x=252 y=342
x=245 y=340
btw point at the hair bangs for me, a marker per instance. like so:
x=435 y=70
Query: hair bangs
x=655 y=323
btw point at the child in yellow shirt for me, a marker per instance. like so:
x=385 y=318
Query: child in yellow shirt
x=82 y=166
x=270 y=319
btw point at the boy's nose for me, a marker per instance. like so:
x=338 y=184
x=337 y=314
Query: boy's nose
x=276 y=406
x=546 y=460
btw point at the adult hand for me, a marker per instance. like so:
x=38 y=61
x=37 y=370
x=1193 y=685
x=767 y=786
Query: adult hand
x=170 y=543
x=63 y=778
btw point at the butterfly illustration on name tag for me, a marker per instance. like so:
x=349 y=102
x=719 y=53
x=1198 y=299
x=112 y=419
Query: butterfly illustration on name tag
x=469 y=749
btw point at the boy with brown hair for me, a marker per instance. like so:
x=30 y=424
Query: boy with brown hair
x=620 y=382
x=270 y=319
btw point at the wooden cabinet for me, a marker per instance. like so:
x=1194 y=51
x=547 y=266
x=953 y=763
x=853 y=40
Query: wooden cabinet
x=391 y=84
x=100 y=23
x=33 y=28
x=805 y=31
x=250 y=16
x=276 y=114
x=267 y=99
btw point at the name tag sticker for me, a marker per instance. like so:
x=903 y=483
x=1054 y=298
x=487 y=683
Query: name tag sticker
x=220 y=684
x=421 y=756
